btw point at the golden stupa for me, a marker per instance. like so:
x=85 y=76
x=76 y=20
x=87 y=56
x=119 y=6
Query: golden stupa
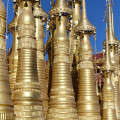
x=74 y=43
x=13 y=54
x=50 y=71
x=108 y=111
x=62 y=100
x=27 y=100
x=6 y=106
x=87 y=102
x=113 y=46
x=40 y=19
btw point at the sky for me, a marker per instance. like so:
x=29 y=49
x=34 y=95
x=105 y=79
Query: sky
x=95 y=13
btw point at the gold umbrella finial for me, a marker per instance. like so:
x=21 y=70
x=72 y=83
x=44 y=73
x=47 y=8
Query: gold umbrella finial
x=84 y=24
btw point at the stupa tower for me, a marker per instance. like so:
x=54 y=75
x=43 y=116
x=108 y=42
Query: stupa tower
x=108 y=111
x=27 y=100
x=49 y=46
x=87 y=103
x=113 y=47
x=74 y=41
x=62 y=100
x=40 y=19
x=13 y=54
x=6 y=107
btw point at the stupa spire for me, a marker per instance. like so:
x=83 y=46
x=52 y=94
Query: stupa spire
x=87 y=102
x=108 y=110
x=62 y=100
x=114 y=57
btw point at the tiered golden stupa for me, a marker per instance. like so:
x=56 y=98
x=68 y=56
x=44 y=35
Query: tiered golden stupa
x=113 y=46
x=6 y=106
x=49 y=48
x=108 y=111
x=62 y=100
x=13 y=54
x=41 y=18
x=74 y=42
x=46 y=92
x=87 y=103
x=27 y=101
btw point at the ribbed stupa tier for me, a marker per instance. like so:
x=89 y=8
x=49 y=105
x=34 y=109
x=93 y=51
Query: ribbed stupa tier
x=74 y=44
x=40 y=18
x=87 y=103
x=27 y=100
x=6 y=107
x=113 y=46
x=108 y=110
x=115 y=83
x=49 y=48
x=62 y=100
x=13 y=54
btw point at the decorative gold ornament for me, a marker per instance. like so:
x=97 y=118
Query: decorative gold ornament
x=13 y=54
x=6 y=106
x=27 y=100
x=60 y=7
x=62 y=100
x=87 y=103
x=40 y=19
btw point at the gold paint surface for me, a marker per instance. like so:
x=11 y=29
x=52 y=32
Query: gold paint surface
x=62 y=100
x=27 y=100
x=60 y=7
x=74 y=45
x=108 y=97
x=87 y=102
x=13 y=54
x=113 y=46
x=40 y=19
x=6 y=106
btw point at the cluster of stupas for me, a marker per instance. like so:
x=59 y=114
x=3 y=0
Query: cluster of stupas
x=64 y=87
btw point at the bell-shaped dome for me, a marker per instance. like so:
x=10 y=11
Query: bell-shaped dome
x=26 y=16
x=60 y=7
x=111 y=36
x=85 y=24
x=39 y=12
